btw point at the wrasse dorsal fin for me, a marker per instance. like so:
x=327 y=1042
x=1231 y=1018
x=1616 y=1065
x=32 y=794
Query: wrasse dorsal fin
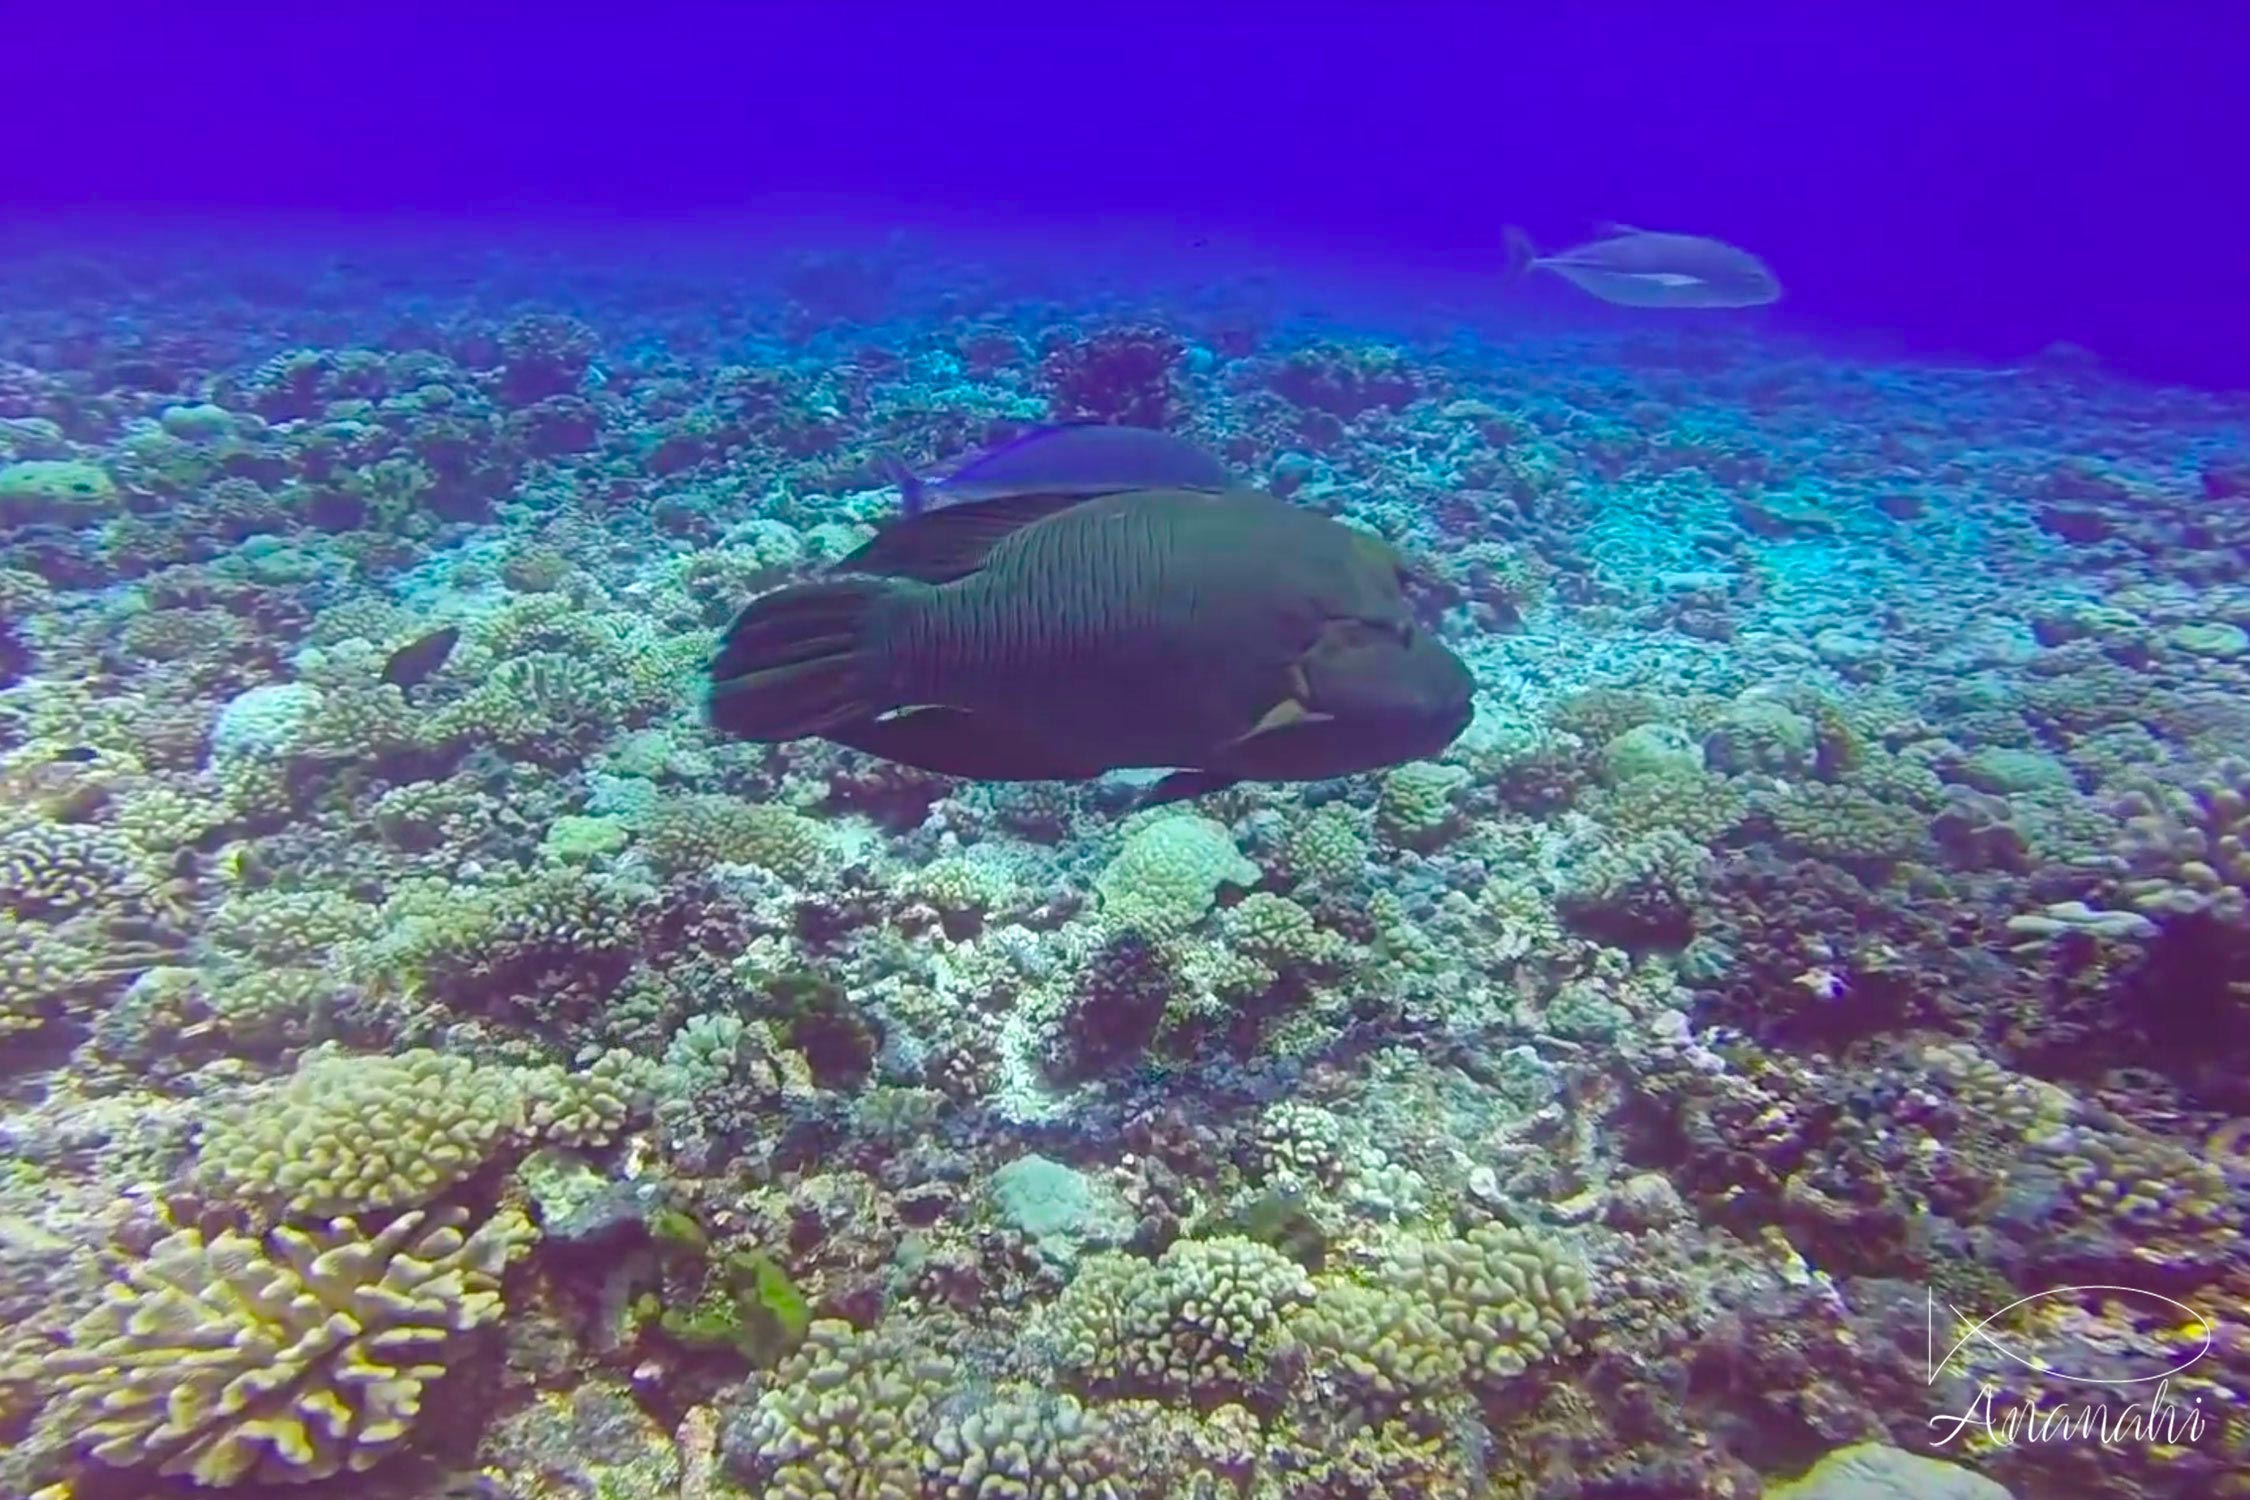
x=939 y=546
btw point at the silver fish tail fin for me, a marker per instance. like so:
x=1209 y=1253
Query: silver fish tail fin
x=1522 y=254
x=913 y=497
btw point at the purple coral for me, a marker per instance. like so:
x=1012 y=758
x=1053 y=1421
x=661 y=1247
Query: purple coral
x=543 y=355
x=1116 y=375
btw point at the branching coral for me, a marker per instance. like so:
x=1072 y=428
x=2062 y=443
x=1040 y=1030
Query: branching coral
x=1415 y=807
x=1843 y=823
x=1026 y=1445
x=691 y=832
x=293 y=1359
x=847 y=1417
x=1643 y=891
x=347 y=1133
x=52 y=869
x=1505 y=1296
x=1201 y=1319
x=2187 y=849
x=1168 y=874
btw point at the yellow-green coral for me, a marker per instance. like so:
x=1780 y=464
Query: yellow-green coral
x=1327 y=848
x=42 y=969
x=1200 y=1319
x=544 y=702
x=292 y=1359
x=1415 y=806
x=53 y=869
x=2187 y=849
x=1020 y=1444
x=694 y=831
x=39 y=487
x=1384 y=1342
x=290 y=927
x=1702 y=806
x=1506 y=1297
x=158 y=820
x=847 y=1417
x=2126 y=1176
x=36 y=971
x=346 y=1133
x=591 y=1107
x=955 y=885
x=1300 y=1143
x=1275 y=929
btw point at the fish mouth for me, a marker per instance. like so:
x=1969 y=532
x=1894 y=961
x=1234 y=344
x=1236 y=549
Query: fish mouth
x=1383 y=713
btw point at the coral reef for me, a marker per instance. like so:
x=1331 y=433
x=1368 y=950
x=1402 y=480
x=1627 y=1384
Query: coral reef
x=1839 y=898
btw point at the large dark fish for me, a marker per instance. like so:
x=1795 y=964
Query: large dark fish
x=1078 y=458
x=1042 y=637
x=418 y=658
x=1636 y=268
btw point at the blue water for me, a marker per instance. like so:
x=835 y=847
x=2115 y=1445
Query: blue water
x=1831 y=929
x=1986 y=182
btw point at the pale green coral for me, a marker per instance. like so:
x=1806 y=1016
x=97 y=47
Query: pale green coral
x=580 y=840
x=293 y=1359
x=542 y=703
x=1651 y=750
x=52 y=869
x=42 y=971
x=36 y=971
x=1168 y=875
x=1300 y=1143
x=346 y=1133
x=1382 y=1342
x=41 y=488
x=158 y=820
x=591 y=1107
x=958 y=886
x=2186 y=849
x=1701 y=806
x=290 y=927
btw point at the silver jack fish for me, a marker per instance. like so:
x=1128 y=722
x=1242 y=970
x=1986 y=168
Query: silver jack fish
x=1638 y=268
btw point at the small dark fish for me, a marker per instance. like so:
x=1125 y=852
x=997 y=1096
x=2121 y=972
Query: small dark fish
x=1231 y=636
x=418 y=658
x=1082 y=459
x=1637 y=268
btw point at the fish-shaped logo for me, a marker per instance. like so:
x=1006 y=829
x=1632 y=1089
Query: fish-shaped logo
x=1979 y=1330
